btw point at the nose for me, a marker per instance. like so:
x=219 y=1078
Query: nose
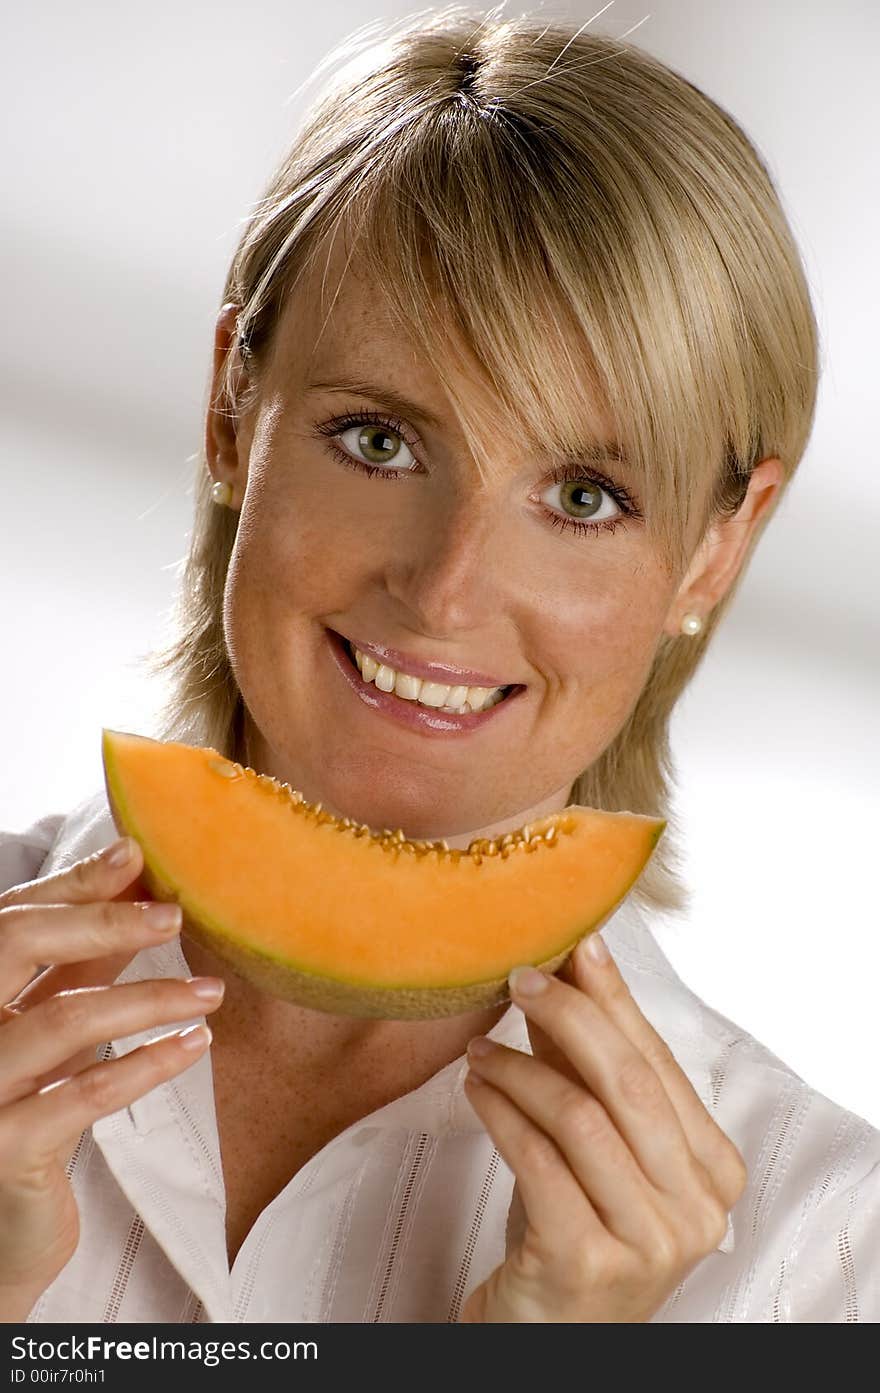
x=451 y=571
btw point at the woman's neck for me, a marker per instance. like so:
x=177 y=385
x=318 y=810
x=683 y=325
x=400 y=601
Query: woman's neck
x=257 y=1027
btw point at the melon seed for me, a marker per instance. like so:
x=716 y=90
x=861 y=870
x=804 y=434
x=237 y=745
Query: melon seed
x=226 y=771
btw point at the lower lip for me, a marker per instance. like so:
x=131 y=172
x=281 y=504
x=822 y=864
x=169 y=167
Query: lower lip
x=411 y=713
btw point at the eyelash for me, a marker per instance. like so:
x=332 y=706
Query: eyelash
x=563 y=473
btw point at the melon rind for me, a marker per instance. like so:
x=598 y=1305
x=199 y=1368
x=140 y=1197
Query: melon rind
x=282 y=979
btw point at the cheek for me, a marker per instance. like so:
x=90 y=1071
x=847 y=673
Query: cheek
x=291 y=570
x=597 y=654
x=605 y=637
x=285 y=552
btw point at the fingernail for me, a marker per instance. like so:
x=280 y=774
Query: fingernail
x=596 y=948
x=163 y=917
x=527 y=981
x=480 y=1046
x=207 y=988
x=120 y=852
x=195 y=1037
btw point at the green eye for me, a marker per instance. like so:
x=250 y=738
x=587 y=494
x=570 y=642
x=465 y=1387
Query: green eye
x=584 y=508
x=377 y=444
x=375 y=441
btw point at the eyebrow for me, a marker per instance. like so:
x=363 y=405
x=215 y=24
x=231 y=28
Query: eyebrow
x=590 y=454
x=386 y=395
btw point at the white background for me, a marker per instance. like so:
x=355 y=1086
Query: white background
x=138 y=136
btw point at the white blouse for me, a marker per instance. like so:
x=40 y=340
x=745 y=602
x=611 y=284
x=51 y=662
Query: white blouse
x=400 y=1216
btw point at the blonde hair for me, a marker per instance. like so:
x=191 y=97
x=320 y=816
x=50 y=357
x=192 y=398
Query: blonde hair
x=513 y=183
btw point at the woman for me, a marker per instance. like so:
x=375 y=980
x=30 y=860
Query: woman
x=546 y=287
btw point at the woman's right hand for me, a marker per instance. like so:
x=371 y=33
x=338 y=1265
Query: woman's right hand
x=83 y=923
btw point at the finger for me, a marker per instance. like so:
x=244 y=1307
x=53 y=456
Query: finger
x=89 y=880
x=92 y=878
x=598 y=975
x=618 y=1075
x=33 y=935
x=46 y=1037
x=553 y=1201
x=582 y=1132
x=96 y=972
x=54 y=1118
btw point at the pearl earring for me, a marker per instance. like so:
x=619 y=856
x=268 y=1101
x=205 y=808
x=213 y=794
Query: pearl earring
x=691 y=624
x=221 y=492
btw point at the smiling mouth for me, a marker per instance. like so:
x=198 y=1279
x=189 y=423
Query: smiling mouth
x=349 y=650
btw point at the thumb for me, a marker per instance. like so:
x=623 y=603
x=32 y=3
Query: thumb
x=543 y=1047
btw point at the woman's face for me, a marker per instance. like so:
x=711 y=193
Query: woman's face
x=433 y=563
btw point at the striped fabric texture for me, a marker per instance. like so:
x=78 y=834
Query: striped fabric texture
x=399 y=1217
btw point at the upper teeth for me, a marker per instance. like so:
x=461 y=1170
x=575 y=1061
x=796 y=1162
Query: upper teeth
x=457 y=699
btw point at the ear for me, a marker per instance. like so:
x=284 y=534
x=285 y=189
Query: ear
x=719 y=556
x=224 y=447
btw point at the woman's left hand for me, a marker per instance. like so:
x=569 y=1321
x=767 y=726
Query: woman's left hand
x=623 y=1179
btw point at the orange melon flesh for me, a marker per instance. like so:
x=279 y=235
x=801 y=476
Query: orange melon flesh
x=330 y=914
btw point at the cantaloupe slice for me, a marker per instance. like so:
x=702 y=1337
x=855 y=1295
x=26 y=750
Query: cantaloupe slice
x=330 y=914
